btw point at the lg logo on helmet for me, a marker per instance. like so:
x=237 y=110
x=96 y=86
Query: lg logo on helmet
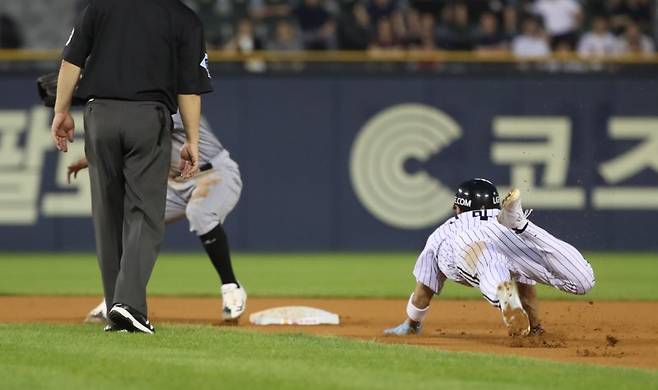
x=381 y=149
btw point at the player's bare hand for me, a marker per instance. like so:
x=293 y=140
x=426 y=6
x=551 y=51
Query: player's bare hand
x=62 y=130
x=404 y=329
x=76 y=167
x=189 y=160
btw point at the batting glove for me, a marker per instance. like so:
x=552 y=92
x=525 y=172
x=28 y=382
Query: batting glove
x=404 y=329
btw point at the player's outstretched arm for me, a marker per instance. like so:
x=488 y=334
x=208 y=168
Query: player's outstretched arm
x=417 y=308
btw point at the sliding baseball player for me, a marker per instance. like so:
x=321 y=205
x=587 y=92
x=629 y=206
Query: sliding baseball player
x=498 y=251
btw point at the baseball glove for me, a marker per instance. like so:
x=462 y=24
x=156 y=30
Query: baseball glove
x=47 y=89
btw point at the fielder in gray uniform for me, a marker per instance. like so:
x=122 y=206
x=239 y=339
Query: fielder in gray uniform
x=205 y=200
x=500 y=252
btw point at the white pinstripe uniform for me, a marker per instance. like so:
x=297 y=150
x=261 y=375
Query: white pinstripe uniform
x=474 y=249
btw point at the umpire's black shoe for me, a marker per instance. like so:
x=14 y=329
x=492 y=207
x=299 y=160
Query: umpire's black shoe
x=113 y=328
x=126 y=318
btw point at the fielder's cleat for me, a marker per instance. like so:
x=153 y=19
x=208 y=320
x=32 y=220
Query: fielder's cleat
x=514 y=317
x=404 y=329
x=234 y=301
x=97 y=315
x=511 y=214
x=125 y=318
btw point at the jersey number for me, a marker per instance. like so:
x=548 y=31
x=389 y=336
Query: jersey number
x=482 y=214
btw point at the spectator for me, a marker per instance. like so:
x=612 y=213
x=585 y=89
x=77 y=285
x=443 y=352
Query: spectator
x=455 y=32
x=506 y=12
x=634 y=42
x=532 y=42
x=420 y=28
x=599 y=41
x=630 y=11
x=10 y=34
x=413 y=39
x=244 y=41
x=428 y=26
x=285 y=38
x=562 y=19
x=316 y=25
x=488 y=36
x=503 y=10
x=385 y=38
x=354 y=28
x=388 y=9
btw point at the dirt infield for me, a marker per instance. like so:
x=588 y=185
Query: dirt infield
x=609 y=333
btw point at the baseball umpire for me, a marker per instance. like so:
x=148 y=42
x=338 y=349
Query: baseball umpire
x=142 y=60
x=499 y=251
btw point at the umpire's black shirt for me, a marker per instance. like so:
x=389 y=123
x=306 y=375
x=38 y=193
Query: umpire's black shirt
x=139 y=50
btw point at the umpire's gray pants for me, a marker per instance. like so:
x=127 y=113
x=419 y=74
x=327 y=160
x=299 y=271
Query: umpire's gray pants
x=128 y=147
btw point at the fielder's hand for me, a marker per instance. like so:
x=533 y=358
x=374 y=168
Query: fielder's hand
x=189 y=160
x=404 y=329
x=62 y=130
x=75 y=168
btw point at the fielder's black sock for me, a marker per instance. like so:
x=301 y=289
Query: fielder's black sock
x=216 y=244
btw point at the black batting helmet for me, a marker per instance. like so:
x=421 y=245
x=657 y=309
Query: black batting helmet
x=477 y=194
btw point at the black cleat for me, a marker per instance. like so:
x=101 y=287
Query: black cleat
x=125 y=318
x=113 y=329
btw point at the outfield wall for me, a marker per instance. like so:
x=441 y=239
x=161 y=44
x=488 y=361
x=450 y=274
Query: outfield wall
x=370 y=163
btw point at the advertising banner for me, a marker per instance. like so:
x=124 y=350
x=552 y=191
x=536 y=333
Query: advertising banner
x=372 y=163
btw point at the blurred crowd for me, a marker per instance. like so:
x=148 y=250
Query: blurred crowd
x=522 y=27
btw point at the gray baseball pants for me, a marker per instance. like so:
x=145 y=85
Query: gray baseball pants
x=128 y=146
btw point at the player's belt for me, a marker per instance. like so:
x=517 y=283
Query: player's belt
x=205 y=167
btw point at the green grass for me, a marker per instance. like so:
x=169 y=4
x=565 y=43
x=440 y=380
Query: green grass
x=199 y=357
x=203 y=357
x=619 y=276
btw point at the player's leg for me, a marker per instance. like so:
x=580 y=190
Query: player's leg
x=565 y=267
x=216 y=194
x=498 y=288
x=212 y=200
x=571 y=272
x=176 y=205
x=97 y=315
x=528 y=296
